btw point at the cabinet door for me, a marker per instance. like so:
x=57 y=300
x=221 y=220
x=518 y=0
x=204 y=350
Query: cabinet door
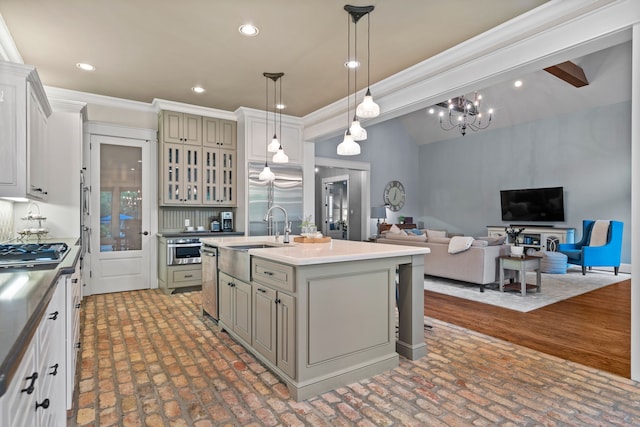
x=225 y=303
x=171 y=176
x=36 y=148
x=192 y=178
x=210 y=162
x=242 y=310
x=16 y=405
x=227 y=181
x=192 y=129
x=286 y=333
x=228 y=134
x=264 y=321
x=211 y=132
x=172 y=123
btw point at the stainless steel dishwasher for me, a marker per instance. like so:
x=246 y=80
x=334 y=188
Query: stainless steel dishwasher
x=210 y=281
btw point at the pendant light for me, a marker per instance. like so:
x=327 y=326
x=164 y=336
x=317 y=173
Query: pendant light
x=280 y=156
x=358 y=133
x=275 y=144
x=348 y=147
x=368 y=108
x=266 y=174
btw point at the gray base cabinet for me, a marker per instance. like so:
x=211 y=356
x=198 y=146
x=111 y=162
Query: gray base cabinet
x=317 y=327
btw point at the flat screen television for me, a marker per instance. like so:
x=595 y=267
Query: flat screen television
x=532 y=204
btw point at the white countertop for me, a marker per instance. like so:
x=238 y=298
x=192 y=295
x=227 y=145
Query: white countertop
x=317 y=253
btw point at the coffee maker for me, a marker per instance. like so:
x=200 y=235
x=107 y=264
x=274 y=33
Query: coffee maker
x=227 y=221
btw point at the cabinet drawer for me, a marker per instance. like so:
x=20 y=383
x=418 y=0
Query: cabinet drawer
x=187 y=275
x=272 y=273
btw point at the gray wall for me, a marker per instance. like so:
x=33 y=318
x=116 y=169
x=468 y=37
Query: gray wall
x=455 y=184
x=588 y=153
x=393 y=155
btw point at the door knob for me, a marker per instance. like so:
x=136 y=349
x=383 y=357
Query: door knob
x=146 y=233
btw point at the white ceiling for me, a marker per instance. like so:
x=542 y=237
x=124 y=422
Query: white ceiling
x=146 y=49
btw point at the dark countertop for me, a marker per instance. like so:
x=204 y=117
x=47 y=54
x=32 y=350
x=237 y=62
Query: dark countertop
x=24 y=296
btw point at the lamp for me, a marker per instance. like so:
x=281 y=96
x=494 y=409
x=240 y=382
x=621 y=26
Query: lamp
x=275 y=144
x=367 y=109
x=280 y=156
x=468 y=113
x=266 y=174
x=378 y=212
x=355 y=132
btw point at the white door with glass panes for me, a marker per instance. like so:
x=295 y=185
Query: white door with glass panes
x=121 y=192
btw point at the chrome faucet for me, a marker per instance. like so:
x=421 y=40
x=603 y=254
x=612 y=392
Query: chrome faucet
x=287 y=224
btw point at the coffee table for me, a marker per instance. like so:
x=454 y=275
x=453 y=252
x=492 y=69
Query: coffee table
x=521 y=265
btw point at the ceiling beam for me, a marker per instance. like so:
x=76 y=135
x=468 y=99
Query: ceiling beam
x=570 y=73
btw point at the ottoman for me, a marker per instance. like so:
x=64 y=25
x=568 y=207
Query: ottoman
x=552 y=262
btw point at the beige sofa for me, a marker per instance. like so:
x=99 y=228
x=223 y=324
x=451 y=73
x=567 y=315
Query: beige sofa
x=478 y=264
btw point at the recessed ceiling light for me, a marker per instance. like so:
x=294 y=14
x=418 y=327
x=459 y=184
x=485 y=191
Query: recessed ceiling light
x=281 y=106
x=517 y=83
x=248 y=30
x=85 y=67
x=352 y=64
x=198 y=89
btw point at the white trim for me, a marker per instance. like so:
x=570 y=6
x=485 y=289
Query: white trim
x=66 y=106
x=342 y=163
x=92 y=98
x=8 y=49
x=110 y=129
x=635 y=204
x=163 y=104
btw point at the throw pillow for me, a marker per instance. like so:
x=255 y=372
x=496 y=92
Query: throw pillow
x=395 y=229
x=414 y=231
x=480 y=243
x=460 y=244
x=493 y=241
x=435 y=233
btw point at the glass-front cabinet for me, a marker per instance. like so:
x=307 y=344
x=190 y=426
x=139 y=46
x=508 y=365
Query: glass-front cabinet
x=181 y=165
x=219 y=177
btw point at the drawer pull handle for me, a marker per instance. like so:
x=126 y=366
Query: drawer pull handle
x=78 y=305
x=43 y=405
x=55 y=370
x=188 y=275
x=31 y=386
x=268 y=273
x=77 y=346
x=54 y=315
x=262 y=290
x=74 y=280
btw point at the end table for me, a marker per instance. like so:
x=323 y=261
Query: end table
x=520 y=265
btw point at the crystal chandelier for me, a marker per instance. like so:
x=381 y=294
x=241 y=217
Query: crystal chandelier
x=464 y=113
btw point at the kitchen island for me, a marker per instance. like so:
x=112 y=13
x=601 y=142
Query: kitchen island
x=323 y=315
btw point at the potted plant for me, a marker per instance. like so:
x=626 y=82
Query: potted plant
x=307 y=226
x=513 y=233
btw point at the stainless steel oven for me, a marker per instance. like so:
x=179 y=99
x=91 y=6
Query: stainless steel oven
x=182 y=251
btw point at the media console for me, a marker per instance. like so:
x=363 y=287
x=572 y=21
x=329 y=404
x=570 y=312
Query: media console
x=540 y=238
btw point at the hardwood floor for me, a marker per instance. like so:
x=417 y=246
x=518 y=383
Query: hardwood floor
x=592 y=329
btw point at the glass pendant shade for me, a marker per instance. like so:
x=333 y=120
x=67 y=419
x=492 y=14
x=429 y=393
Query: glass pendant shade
x=368 y=109
x=348 y=147
x=266 y=174
x=358 y=133
x=274 y=146
x=280 y=156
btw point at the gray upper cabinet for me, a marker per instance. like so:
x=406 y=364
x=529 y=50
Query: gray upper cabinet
x=180 y=128
x=24 y=110
x=219 y=133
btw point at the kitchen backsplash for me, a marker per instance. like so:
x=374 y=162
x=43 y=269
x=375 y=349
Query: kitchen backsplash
x=172 y=219
x=6 y=221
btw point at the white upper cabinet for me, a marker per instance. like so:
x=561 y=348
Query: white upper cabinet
x=180 y=128
x=219 y=133
x=251 y=127
x=24 y=110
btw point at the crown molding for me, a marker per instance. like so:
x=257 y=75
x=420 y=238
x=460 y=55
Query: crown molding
x=92 y=98
x=8 y=49
x=66 y=106
x=163 y=104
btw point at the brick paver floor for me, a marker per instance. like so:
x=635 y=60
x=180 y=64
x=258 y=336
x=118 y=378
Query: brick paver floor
x=149 y=359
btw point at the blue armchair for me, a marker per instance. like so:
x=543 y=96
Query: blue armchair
x=608 y=255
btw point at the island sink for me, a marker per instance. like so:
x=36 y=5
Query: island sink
x=236 y=261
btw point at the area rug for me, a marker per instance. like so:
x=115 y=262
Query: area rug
x=555 y=287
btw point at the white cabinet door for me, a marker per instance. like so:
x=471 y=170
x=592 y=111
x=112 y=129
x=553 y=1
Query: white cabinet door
x=37 y=161
x=18 y=403
x=219 y=177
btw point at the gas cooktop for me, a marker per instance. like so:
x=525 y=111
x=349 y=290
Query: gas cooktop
x=31 y=254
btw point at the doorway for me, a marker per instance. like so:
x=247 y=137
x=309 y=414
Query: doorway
x=335 y=215
x=120 y=224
